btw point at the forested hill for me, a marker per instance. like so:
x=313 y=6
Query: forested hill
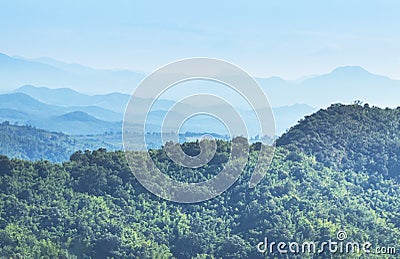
x=93 y=207
x=29 y=143
x=356 y=137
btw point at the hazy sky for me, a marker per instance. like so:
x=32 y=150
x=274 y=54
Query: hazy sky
x=267 y=38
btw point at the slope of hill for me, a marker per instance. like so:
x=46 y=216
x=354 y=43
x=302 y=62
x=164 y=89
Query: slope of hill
x=355 y=137
x=76 y=123
x=288 y=116
x=68 y=98
x=26 y=104
x=93 y=207
x=6 y=114
x=22 y=103
x=77 y=116
x=23 y=109
x=30 y=143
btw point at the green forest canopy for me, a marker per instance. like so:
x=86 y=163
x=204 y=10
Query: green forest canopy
x=92 y=206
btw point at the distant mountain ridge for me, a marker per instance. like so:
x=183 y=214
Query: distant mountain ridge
x=25 y=103
x=76 y=123
x=343 y=84
x=25 y=110
x=78 y=116
x=67 y=97
x=15 y=72
x=110 y=108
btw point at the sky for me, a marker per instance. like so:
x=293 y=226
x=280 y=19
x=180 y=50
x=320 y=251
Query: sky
x=289 y=39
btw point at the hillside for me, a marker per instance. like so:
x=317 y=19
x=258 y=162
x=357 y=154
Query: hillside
x=98 y=209
x=26 y=104
x=20 y=108
x=355 y=137
x=69 y=98
x=30 y=143
x=27 y=142
x=92 y=206
x=76 y=123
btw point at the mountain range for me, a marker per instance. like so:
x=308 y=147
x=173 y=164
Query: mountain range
x=19 y=108
x=67 y=97
x=15 y=71
x=68 y=111
x=344 y=84
x=76 y=109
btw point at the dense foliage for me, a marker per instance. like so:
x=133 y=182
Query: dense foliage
x=29 y=143
x=354 y=137
x=336 y=170
x=92 y=206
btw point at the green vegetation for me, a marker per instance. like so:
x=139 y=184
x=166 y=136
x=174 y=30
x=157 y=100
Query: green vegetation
x=92 y=206
x=351 y=137
x=27 y=142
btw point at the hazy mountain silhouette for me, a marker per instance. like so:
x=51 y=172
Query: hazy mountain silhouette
x=76 y=123
x=61 y=101
x=15 y=72
x=344 y=84
x=26 y=104
x=67 y=97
